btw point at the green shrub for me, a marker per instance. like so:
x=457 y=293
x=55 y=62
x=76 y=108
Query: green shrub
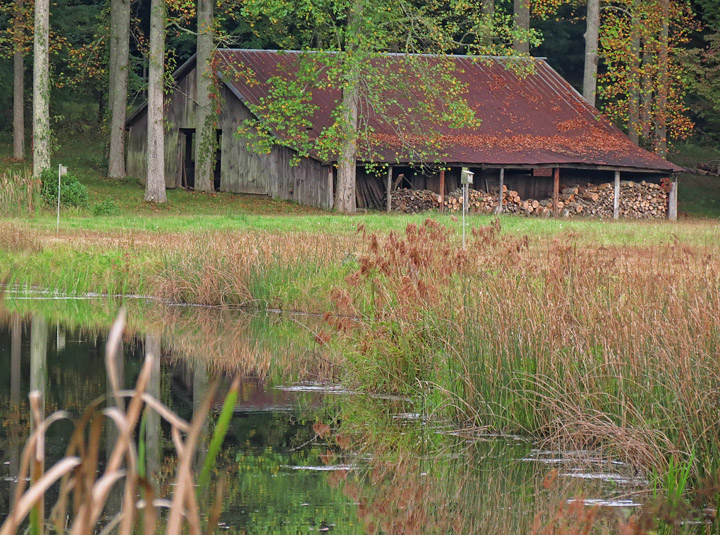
x=106 y=207
x=72 y=192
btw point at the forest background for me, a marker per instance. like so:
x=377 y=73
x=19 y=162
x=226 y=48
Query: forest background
x=657 y=74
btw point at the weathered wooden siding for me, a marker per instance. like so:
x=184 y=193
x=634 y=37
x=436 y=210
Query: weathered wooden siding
x=179 y=113
x=137 y=149
x=243 y=171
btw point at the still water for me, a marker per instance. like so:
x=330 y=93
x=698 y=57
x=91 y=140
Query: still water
x=303 y=454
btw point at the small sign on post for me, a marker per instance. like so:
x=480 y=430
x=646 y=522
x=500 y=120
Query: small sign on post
x=62 y=171
x=466 y=178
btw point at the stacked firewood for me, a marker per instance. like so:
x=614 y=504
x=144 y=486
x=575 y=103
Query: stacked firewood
x=641 y=200
x=638 y=200
x=411 y=201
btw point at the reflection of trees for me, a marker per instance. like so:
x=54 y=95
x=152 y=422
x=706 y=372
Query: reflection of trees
x=224 y=340
x=153 y=431
x=15 y=422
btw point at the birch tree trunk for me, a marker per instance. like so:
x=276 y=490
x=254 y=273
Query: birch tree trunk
x=18 y=86
x=205 y=138
x=521 y=10
x=41 y=89
x=155 y=185
x=662 y=83
x=119 y=52
x=592 y=30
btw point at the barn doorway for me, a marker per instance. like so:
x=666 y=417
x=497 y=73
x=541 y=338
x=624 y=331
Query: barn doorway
x=189 y=159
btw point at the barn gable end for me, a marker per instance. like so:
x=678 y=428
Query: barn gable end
x=239 y=169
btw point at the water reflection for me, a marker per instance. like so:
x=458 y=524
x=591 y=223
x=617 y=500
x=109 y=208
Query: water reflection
x=67 y=363
x=153 y=431
x=286 y=470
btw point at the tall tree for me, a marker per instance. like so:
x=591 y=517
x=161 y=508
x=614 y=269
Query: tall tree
x=634 y=77
x=645 y=82
x=205 y=137
x=18 y=82
x=118 y=82
x=521 y=15
x=155 y=185
x=356 y=33
x=661 y=120
x=488 y=13
x=591 y=50
x=41 y=88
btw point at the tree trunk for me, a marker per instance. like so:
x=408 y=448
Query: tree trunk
x=521 y=10
x=634 y=78
x=488 y=13
x=18 y=86
x=345 y=194
x=646 y=92
x=347 y=172
x=41 y=89
x=591 y=50
x=662 y=83
x=205 y=138
x=119 y=51
x=155 y=186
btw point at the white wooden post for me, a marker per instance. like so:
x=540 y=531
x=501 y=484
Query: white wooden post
x=616 y=199
x=673 y=200
x=331 y=192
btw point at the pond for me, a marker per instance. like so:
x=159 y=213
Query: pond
x=303 y=454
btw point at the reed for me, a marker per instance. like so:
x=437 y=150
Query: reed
x=88 y=485
x=582 y=346
x=19 y=193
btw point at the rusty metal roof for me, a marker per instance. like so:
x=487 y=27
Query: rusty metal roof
x=537 y=119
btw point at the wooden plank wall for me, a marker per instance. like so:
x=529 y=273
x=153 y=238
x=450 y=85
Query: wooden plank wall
x=243 y=171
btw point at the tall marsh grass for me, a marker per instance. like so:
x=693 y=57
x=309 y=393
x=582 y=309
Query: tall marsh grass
x=19 y=193
x=285 y=271
x=611 y=348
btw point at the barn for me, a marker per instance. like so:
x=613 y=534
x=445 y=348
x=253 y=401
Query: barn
x=536 y=132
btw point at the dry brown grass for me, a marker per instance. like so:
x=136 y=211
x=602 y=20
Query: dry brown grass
x=614 y=348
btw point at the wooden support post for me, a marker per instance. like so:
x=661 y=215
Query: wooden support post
x=442 y=189
x=616 y=198
x=673 y=200
x=389 y=189
x=500 y=192
x=556 y=190
x=331 y=189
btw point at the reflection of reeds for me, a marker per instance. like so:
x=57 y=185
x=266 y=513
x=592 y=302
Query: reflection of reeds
x=252 y=345
x=78 y=471
x=589 y=347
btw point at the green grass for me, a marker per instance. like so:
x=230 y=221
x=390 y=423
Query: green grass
x=126 y=253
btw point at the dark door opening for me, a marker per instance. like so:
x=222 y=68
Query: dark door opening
x=189 y=159
x=188 y=175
